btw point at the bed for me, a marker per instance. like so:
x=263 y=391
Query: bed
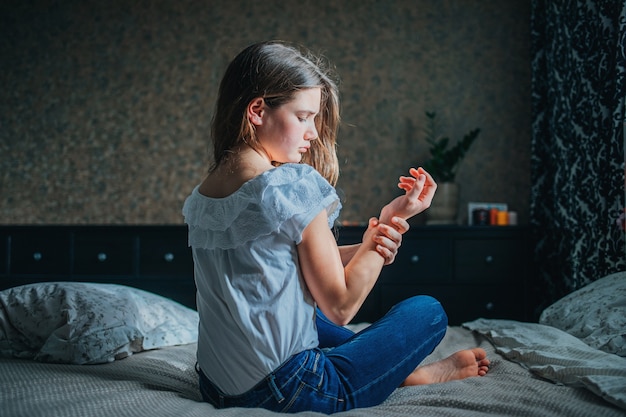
x=98 y=349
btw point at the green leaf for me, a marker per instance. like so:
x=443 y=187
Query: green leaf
x=444 y=162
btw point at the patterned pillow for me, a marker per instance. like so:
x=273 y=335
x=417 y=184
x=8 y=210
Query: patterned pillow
x=88 y=323
x=596 y=314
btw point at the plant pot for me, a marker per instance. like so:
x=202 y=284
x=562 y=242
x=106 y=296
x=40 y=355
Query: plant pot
x=445 y=204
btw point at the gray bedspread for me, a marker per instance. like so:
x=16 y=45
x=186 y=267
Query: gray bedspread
x=163 y=383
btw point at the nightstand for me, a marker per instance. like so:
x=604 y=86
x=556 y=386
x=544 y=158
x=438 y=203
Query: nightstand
x=153 y=258
x=474 y=271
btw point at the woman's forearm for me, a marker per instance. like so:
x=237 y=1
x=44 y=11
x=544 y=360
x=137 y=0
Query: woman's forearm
x=346 y=252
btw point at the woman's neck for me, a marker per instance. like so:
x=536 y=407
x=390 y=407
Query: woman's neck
x=239 y=167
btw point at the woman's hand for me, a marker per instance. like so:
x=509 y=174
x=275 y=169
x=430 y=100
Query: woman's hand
x=389 y=238
x=420 y=190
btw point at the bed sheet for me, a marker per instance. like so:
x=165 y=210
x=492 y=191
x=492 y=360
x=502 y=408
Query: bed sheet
x=557 y=356
x=163 y=382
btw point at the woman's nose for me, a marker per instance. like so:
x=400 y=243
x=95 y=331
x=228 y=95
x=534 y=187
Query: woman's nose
x=311 y=133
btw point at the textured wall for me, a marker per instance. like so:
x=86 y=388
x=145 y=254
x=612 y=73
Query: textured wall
x=105 y=106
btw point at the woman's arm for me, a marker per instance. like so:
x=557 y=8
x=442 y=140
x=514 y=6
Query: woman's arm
x=339 y=291
x=388 y=239
x=346 y=252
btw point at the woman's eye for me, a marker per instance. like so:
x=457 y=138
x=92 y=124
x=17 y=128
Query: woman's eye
x=306 y=117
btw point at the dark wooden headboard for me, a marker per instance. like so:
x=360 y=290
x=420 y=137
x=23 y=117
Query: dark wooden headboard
x=153 y=258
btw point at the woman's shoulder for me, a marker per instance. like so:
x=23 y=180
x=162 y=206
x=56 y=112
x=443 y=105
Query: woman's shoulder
x=291 y=172
x=295 y=175
x=299 y=190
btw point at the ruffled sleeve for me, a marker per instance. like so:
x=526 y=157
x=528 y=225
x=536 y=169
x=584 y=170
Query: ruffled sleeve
x=287 y=197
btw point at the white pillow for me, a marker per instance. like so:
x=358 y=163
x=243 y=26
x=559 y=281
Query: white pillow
x=596 y=314
x=88 y=323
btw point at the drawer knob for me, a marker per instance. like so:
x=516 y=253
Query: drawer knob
x=489 y=259
x=490 y=306
x=169 y=257
x=415 y=259
x=37 y=256
x=102 y=256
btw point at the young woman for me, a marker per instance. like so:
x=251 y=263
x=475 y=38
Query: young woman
x=273 y=287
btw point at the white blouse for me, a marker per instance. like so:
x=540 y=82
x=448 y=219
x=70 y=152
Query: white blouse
x=255 y=309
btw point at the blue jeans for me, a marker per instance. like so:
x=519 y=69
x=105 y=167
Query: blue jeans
x=347 y=370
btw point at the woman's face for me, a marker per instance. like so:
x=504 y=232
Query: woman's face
x=285 y=132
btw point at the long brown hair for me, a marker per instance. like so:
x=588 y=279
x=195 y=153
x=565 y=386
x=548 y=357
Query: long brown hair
x=275 y=71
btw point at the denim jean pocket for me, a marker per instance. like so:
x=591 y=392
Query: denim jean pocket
x=313 y=374
x=316 y=387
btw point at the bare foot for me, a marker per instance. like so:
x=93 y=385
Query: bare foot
x=459 y=365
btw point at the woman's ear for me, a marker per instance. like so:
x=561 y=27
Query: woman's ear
x=256 y=109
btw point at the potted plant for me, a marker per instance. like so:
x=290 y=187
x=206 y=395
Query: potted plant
x=442 y=165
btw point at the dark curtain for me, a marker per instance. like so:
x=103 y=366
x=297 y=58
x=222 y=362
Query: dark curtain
x=578 y=89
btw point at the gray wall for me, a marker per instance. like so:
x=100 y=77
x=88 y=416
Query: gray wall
x=105 y=106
